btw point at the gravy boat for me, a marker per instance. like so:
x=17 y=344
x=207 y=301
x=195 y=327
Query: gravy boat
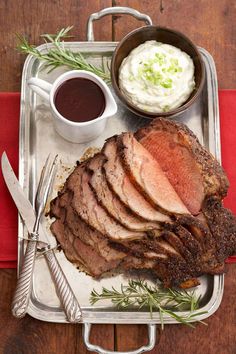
x=76 y=132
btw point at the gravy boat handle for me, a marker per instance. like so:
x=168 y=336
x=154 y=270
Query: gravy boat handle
x=41 y=87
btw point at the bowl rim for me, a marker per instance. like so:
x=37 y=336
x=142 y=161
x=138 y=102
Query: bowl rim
x=175 y=111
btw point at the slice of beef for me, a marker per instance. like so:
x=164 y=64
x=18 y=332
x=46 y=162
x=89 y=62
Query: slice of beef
x=199 y=229
x=91 y=237
x=56 y=211
x=177 y=243
x=81 y=244
x=168 y=243
x=198 y=239
x=175 y=272
x=108 y=199
x=61 y=209
x=87 y=207
x=190 y=168
x=181 y=267
x=222 y=224
x=58 y=230
x=136 y=263
x=166 y=263
x=169 y=271
x=81 y=253
x=96 y=264
x=147 y=175
x=178 y=246
x=121 y=185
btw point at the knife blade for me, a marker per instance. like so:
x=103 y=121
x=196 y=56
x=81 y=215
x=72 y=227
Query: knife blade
x=22 y=203
x=64 y=291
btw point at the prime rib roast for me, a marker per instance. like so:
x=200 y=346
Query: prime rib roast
x=148 y=201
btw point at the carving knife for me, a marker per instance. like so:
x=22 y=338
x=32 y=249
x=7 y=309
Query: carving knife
x=26 y=210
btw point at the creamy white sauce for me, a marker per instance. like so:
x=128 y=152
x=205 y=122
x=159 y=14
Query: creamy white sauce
x=157 y=77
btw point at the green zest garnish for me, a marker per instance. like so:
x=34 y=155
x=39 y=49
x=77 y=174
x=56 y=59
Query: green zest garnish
x=153 y=71
x=160 y=58
x=166 y=108
x=167 y=83
x=174 y=67
x=131 y=78
x=166 y=301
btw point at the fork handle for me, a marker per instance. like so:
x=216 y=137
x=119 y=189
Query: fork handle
x=65 y=293
x=24 y=283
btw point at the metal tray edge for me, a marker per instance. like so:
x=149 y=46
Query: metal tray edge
x=213 y=97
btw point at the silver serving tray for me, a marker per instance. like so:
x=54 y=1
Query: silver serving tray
x=38 y=138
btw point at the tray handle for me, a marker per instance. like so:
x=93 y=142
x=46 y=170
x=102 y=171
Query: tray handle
x=98 y=349
x=114 y=11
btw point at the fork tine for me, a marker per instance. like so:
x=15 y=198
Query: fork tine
x=50 y=178
x=45 y=182
x=42 y=177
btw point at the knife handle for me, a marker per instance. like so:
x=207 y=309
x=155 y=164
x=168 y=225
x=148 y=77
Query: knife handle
x=24 y=283
x=65 y=293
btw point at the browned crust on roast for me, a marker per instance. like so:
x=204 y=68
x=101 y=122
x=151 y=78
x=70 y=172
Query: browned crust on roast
x=198 y=238
x=200 y=230
x=222 y=224
x=190 y=283
x=214 y=178
x=172 y=269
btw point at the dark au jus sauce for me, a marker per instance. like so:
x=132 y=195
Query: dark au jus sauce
x=79 y=100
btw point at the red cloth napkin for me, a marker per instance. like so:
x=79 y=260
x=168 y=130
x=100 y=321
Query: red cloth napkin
x=227 y=104
x=9 y=133
x=9 y=137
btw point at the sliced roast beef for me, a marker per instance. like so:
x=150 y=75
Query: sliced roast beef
x=166 y=262
x=91 y=237
x=109 y=200
x=58 y=230
x=81 y=253
x=121 y=185
x=133 y=255
x=148 y=177
x=175 y=271
x=222 y=224
x=198 y=228
x=190 y=168
x=161 y=211
x=62 y=210
x=88 y=208
x=87 y=247
x=81 y=244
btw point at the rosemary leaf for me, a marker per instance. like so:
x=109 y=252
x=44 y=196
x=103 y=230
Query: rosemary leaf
x=58 y=55
x=166 y=301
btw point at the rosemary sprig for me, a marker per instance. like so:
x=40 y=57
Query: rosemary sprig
x=139 y=293
x=58 y=55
